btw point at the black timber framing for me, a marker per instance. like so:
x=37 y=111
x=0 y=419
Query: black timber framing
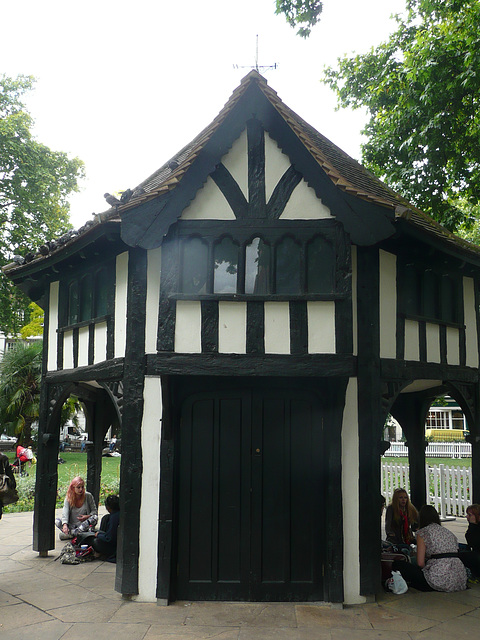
x=209 y=332
x=147 y=224
x=370 y=416
x=255 y=327
x=126 y=581
x=411 y=411
x=220 y=364
x=103 y=371
x=334 y=391
x=409 y=370
x=47 y=464
x=256 y=169
x=166 y=545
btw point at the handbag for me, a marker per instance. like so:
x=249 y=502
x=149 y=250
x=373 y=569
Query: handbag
x=8 y=494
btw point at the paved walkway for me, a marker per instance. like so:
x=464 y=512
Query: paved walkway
x=41 y=599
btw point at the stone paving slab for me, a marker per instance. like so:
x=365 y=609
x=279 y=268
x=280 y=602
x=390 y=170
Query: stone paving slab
x=65 y=602
x=240 y=614
x=51 y=630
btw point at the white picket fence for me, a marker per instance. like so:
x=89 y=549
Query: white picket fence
x=433 y=450
x=449 y=489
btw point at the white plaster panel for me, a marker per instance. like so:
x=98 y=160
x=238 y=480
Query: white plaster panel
x=83 y=333
x=471 y=337
x=68 y=350
x=321 y=326
x=453 y=346
x=232 y=327
x=52 y=327
x=277 y=327
x=349 y=493
x=100 y=344
x=433 y=342
x=303 y=204
x=236 y=161
x=149 y=512
x=388 y=304
x=209 y=204
x=354 y=300
x=121 y=282
x=154 y=268
x=412 y=340
x=188 y=327
x=276 y=163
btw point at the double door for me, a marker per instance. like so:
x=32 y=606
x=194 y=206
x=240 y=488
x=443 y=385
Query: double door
x=250 y=495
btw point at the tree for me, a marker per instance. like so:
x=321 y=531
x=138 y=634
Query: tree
x=35 y=183
x=20 y=376
x=35 y=324
x=422 y=92
x=300 y=12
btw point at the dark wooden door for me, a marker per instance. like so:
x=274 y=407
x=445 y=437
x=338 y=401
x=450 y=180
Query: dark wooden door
x=250 y=496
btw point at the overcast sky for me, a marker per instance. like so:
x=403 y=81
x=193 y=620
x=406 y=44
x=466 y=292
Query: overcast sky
x=125 y=85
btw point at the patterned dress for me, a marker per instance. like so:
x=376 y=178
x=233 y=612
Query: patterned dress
x=442 y=574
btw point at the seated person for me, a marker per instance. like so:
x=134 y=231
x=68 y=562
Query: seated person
x=401 y=520
x=6 y=469
x=104 y=541
x=438 y=567
x=386 y=546
x=471 y=558
x=79 y=511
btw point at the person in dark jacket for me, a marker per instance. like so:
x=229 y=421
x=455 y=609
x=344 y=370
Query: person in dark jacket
x=104 y=541
x=471 y=559
x=6 y=469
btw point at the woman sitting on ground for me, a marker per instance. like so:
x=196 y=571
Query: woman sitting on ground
x=104 y=541
x=471 y=558
x=401 y=520
x=79 y=511
x=438 y=566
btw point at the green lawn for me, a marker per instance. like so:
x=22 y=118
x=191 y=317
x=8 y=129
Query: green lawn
x=75 y=465
x=449 y=462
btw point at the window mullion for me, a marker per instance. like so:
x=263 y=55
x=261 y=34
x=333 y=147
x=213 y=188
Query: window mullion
x=211 y=267
x=241 y=268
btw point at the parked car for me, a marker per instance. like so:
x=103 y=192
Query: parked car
x=7 y=443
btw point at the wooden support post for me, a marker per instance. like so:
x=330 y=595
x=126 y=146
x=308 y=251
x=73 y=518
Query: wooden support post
x=126 y=581
x=370 y=417
x=411 y=411
x=46 y=480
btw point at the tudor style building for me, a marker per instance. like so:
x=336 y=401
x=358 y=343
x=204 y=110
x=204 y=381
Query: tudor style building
x=250 y=314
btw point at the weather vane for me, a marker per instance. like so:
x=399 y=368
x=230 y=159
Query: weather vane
x=257 y=67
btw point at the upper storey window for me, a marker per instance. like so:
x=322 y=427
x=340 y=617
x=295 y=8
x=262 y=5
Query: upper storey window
x=281 y=263
x=430 y=294
x=87 y=296
x=194 y=260
x=225 y=258
x=257 y=267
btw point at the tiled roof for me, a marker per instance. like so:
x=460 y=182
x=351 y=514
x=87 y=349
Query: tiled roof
x=345 y=172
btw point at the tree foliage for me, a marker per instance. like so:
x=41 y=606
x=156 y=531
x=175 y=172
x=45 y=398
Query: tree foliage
x=300 y=13
x=422 y=92
x=35 y=183
x=35 y=324
x=20 y=378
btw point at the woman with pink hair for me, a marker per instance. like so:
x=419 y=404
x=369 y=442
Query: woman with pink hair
x=79 y=511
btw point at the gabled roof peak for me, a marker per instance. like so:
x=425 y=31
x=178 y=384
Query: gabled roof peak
x=255 y=76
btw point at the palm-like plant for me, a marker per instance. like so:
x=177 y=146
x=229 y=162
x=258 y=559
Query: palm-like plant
x=20 y=377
